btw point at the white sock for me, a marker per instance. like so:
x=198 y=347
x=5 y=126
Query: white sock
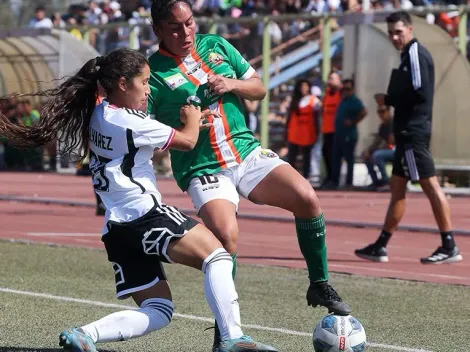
x=154 y=314
x=221 y=294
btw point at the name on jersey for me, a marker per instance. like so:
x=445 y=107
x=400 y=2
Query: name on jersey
x=174 y=81
x=103 y=142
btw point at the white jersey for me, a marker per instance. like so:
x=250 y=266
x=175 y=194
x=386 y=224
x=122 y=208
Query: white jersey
x=122 y=142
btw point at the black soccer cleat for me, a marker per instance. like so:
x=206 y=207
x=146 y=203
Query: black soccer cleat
x=373 y=253
x=443 y=255
x=323 y=294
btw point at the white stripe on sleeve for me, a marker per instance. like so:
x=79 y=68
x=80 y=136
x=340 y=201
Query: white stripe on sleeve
x=414 y=64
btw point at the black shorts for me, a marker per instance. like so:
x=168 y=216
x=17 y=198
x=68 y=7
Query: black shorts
x=413 y=159
x=137 y=248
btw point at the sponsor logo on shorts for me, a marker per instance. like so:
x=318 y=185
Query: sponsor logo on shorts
x=267 y=153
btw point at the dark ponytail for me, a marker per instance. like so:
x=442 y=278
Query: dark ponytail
x=66 y=114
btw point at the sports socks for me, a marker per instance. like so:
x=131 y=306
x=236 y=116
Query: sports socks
x=311 y=236
x=383 y=239
x=154 y=314
x=448 y=241
x=221 y=294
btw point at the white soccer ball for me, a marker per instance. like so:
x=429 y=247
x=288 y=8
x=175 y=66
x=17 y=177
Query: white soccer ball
x=336 y=333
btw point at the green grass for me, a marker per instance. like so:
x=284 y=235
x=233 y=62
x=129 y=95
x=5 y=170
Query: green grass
x=400 y=313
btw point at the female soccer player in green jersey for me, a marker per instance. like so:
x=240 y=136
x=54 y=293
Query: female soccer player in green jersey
x=228 y=160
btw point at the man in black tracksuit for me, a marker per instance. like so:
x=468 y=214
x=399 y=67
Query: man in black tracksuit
x=411 y=93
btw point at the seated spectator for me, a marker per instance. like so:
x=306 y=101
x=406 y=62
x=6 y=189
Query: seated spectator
x=380 y=151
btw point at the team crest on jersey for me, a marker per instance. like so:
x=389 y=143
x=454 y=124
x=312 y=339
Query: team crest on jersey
x=215 y=58
x=174 y=81
x=267 y=153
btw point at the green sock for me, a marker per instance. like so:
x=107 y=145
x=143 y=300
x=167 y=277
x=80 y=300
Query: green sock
x=234 y=260
x=311 y=236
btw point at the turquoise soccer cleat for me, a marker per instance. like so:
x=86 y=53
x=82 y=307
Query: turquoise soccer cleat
x=76 y=341
x=244 y=344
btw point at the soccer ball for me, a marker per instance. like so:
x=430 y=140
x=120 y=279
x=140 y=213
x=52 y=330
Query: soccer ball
x=336 y=333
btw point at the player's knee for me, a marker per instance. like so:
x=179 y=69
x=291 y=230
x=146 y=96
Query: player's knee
x=431 y=187
x=159 y=311
x=307 y=203
x=228 y=236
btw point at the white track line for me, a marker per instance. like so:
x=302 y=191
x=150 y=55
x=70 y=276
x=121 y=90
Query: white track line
x=190 y=317
x=63 y=234
x=384 y=270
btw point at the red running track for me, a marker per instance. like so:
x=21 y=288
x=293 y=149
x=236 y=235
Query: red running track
x=261 y=242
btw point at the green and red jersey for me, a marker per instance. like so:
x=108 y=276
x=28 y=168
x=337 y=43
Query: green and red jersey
x=176 y=81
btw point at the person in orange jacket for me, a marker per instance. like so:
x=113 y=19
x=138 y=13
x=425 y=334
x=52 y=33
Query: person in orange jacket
x=303 y=125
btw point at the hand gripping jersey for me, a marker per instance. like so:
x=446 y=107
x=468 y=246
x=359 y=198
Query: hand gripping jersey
x=176 y=81
x=122 y=142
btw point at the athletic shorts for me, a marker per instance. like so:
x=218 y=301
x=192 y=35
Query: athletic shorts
x=413 y=159
x=136 y=249
x=240 y=179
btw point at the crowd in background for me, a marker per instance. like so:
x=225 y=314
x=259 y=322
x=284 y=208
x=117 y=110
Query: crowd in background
x=246 y=38
x=330 y=142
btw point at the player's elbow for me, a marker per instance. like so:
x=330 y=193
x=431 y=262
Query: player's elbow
x=191 y=144
x=261 y=93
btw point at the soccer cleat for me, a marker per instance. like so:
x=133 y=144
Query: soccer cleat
x=443 y=255
x=373 y=253
x=323 y=294
x=244 y=344
x=75 y=341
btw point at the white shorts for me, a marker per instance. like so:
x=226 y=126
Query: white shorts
x=229 y=183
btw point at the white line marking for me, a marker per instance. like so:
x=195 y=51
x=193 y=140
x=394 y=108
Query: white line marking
x=462 y=278
x=63 y=234
x=190 y=317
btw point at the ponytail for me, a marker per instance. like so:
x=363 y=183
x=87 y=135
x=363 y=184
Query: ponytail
x=66 y=114
x=68 y=111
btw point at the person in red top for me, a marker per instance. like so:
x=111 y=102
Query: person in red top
x=331 y=102
x=303 y=125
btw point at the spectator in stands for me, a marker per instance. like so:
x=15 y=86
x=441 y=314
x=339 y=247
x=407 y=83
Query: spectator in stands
x=30 y=115
x=303 y=125
x=40 y=20
x=331 y=100
x=381 y=150
x=350 y=112
x=316 y=155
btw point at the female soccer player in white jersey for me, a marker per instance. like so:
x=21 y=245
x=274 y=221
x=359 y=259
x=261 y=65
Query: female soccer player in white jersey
x=227 y=160
x=140 y=231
